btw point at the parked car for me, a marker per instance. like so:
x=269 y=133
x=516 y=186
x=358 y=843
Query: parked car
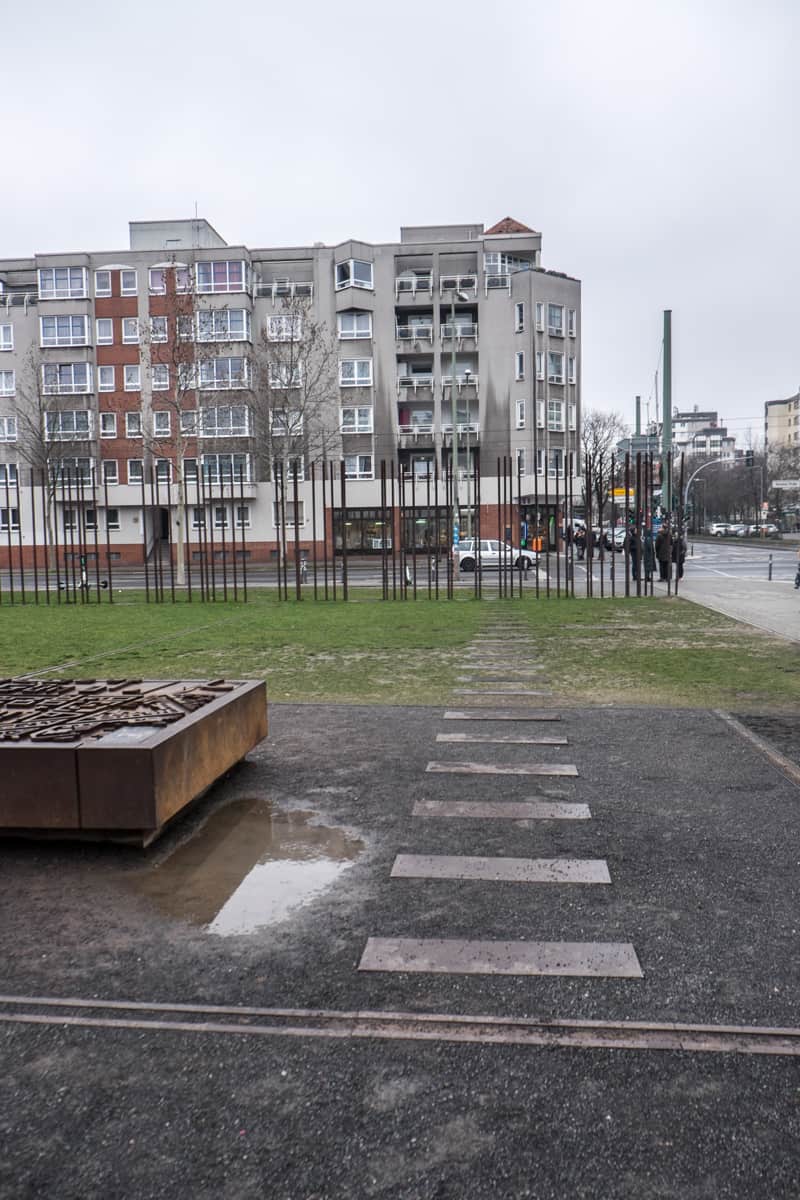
x=737 y=530
x=719 y=529
x=492 y=554
x=615 y=538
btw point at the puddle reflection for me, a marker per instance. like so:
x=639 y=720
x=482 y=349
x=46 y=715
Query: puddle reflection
x=248 y=866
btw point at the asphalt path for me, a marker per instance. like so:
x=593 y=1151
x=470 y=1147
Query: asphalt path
x=699 y=831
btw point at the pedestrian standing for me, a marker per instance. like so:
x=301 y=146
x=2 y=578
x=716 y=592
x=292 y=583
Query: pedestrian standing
x=649 y=555
x=797 y=574
x=679 y=554
x=663 y=552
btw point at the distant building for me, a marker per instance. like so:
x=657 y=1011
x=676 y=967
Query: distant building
x=782 y=424
x=696 y=433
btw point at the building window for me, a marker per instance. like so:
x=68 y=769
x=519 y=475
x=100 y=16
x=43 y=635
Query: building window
x=220 y=516
x=227 y=421
x=354 y=324
x=356 y=420
x=540 y=315
x=105 y=379
x=285 y=328
x=353 y=272
x=160 y=374
x=520 y=413
x=227 y=467
x=555 y=462
x=112 y=518
x=130 y=330
x=8 y=429
x=221 y=276
x=540 y=414
x=290 y=514
x=190 y=470
x=132 y=377
x=8 y=474
x=157 y=281
x=105 y=331
x=6 y=337
x=223 y=325
x=108 y=425
x=519 y=364
x=133 y=425
x=199 y=518
x=571 y=322
x=162 y=425
x=4 y=525
x=572 y=410
x=555 y=416
x=286 y=422
x=7 y=383
x=555 y=367
x=223 y=374
x=189 y=422
x=355 y=372
x=158 y=329
x=62 y=283
x=571 y=369
x=102 y=283
x=285 y=375
x=110 y=472
x=163 y=470
x=242 y=516
x=64 y=379
x=135 y=470
x=68 y=426
x=64 y=331
x=358 y=466
x=128 y=283
x=519 y=317
x=520 y=456
x=555 y=320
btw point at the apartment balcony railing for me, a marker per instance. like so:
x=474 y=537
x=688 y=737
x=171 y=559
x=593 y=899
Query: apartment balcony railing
x=461 y=329
x=415 y=382
x=287 y=289
x=413 y=285
x=22 y=299
x=458 y=283
x=462 y=427
x=497 y=282
x=419 y=430
x=462 y=381
x=414 y=333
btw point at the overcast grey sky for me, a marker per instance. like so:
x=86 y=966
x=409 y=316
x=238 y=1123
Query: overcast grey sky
x=653 y=142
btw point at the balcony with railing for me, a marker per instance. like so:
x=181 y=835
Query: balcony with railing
x=499 y=281
x=413 y=285
x=415 y=425
x=465 y=284
x=286 y=289
x=419 y=330
x=464 y=380
x=470 y=427
x=461 y=331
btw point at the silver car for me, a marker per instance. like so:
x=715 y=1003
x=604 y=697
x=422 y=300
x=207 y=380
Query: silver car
x=491 y=554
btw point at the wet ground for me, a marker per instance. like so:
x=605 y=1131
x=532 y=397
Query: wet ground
x=266 y=896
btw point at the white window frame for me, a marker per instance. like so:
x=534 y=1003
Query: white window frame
x=519 y=458
x=572 y=412
x=360 y=423
x=242 y=516
x=66 y=389
x=286 y=422
x=519 y=364
x=7 y=515
x=8 y=383
x=53 y=431
x=571 y=369
x=217 y=380
x=161 y=324
x=128 y=326
x=540 y=415
x=555 y=376
x=350 y=280
x=278 y=375
x=99 y=290
x=540 y=315
x=357 y=364
x=285 y=327
x=555 y=329
x=136 y=476
x=519 y=316
x=8 y=471
x=70 y=339
x=214 y=325
x=555 y=416
x=6 y=337
x=212 y=426
x=102 y=372
x=111 y=525
x=189 y=422
x=215 y=478
x=357 y=471
x=108 y=425
x=128 y=290
x=69 y=289
x=160 y=377
x=540 y=364
x=133 y=425
x=161 y=475
x=132 y=382
x=356 y=314
x=158 y=273
x=109 y=475
x=107 y=339
x=166 y=425
x=8 y=428
x=289 y=514
x=572 y=318
x=519 y=408
x=215 y=287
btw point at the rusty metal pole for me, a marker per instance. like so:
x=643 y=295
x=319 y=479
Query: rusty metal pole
x=108 y=545
x=314 y=527
x=298 y=587
x=343 y=494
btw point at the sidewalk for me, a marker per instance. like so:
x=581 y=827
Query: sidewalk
x=773 y=606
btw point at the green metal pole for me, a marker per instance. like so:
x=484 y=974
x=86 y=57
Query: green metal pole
x=666 y=430
x=453 y=409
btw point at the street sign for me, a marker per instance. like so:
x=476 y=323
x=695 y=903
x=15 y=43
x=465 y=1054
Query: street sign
x=455 y=533
x=789 y=485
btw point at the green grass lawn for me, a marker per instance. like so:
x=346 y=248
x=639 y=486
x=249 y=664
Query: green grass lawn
x=624 y=652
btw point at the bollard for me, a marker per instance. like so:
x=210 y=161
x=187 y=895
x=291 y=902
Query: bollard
x=691 y=550
x=769 y=576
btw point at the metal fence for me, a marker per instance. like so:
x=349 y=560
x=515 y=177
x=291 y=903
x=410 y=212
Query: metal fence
x=54 y=550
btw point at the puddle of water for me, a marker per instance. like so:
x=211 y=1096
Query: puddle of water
x=248 y=866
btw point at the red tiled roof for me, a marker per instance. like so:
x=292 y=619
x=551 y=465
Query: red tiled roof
x=509 y=225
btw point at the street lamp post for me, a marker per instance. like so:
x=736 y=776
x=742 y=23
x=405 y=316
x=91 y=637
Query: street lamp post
x=470 y=531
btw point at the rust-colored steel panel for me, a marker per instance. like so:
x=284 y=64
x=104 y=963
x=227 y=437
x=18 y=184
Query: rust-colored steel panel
x=38 y=787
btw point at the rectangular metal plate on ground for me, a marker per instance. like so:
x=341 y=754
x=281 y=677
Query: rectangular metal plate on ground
x=493 y=691
x=500 y=870
x=503 y=739
x=118 y=758
x=499 y=716
x=446 y=956
x=473 y=768
x=510 y=810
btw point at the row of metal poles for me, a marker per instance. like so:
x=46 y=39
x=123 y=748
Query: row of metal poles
x=60 y=554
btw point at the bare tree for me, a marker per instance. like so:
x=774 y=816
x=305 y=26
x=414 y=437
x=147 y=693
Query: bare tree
x=600 y=433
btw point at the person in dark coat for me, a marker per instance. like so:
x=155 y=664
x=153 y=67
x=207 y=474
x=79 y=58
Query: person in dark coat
x=633 y=551
x=649 y=555
x=679 y=553
x=580 y=541
x=663 y=551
